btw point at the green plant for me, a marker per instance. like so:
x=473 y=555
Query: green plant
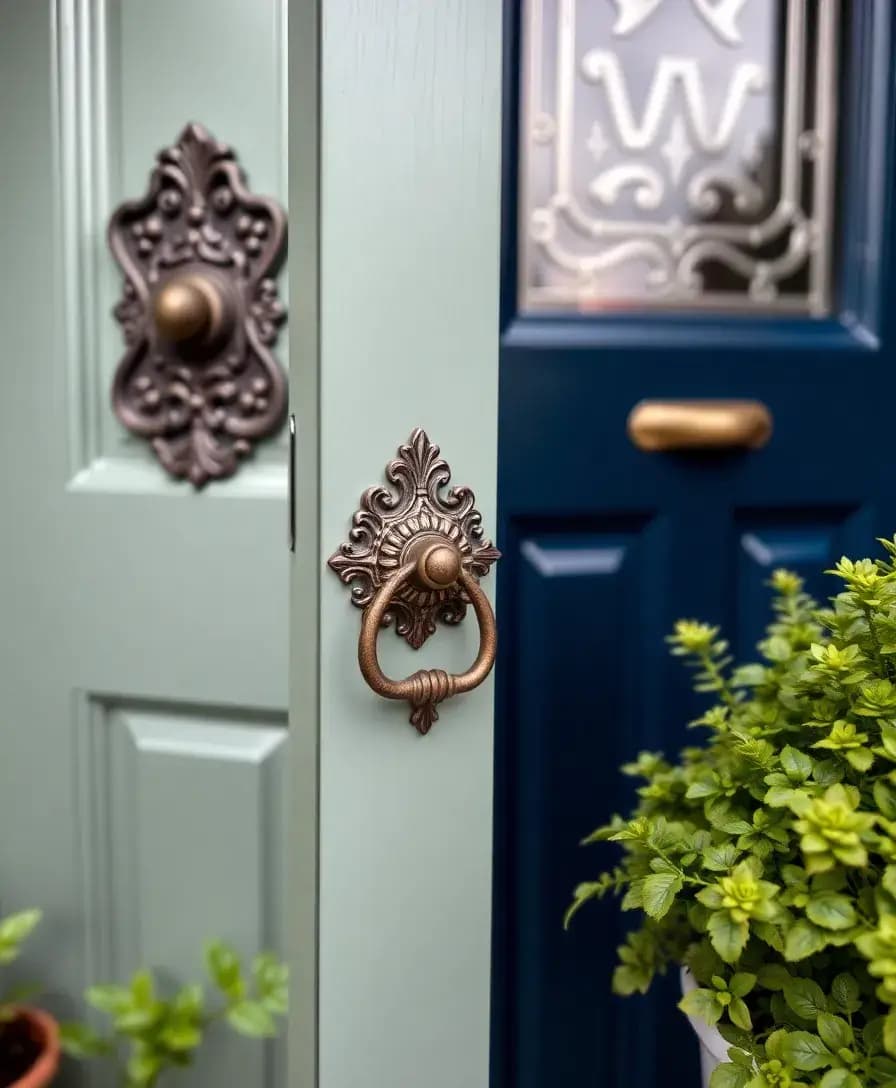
x=765 y=860
x=150 y=1034
x=14 y=931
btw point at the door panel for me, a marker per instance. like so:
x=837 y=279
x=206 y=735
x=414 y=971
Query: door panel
x=400 y=282
x=608 y=545
x=143 y=650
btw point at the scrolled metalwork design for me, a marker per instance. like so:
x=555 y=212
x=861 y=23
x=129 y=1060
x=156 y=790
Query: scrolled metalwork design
x=199 y=311
x=416 y=505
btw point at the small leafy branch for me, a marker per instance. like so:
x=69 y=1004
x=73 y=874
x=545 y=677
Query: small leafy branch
x=14 y=931
x=150 y=1034
x=765 y=860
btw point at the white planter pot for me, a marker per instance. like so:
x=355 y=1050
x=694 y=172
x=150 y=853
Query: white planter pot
x=713 y=1048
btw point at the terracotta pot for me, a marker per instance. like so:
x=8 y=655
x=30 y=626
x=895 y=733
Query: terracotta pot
x=713 y=1048
x=45 y=1031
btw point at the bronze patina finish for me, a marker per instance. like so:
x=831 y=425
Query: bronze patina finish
x=416 y=554
x=191 y=309
x=199 y=311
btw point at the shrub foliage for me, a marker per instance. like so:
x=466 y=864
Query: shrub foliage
x=765 y=859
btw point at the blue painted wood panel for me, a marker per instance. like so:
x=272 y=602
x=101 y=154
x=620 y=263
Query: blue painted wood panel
x=606 y=546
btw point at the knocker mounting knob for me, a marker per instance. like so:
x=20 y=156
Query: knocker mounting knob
x=438 y=564
x=191 y=309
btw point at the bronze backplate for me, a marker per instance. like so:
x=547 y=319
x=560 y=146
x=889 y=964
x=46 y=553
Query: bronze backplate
x=202 y=404
x=417 y=504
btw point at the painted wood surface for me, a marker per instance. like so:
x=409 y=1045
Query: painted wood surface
x=406 y=187
x=606 y=546
x=143 y=644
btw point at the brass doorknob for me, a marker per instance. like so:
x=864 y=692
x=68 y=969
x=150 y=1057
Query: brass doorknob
x=191 y=308
x=669 y=425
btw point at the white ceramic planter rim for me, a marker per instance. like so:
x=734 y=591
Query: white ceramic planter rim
x=710 y=1039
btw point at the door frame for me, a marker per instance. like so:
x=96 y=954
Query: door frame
x=395 y=142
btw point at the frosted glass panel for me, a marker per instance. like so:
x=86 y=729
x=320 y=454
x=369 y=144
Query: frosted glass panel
x=677 y=153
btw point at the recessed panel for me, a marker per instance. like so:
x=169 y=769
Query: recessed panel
x=131 y=76
x=588 y=630
x=183 y=818
x=807 y=542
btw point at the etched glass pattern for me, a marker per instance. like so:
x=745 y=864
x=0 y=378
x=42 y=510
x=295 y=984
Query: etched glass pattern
x=677 y=153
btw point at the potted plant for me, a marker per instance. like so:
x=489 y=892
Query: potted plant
x=29 y=1037
x=763 y=862
x=149 y=1034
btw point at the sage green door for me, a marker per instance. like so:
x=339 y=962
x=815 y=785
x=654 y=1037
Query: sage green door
x=143 y=635
x=395 y=190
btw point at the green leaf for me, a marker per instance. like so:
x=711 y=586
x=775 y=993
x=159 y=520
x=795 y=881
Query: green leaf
x=839 y=1078
x=81 y=1041
x=719 y=814
x=251 y=1018
x=702 y=787
x=831 y=911
x=739 y=1013
x=136 y=1021
x=845 y=992
x=779 y=796
x=582 y=894
x=834 y=1031
x=885 y=799
x=773 y=976
x=180 y=1037
x=873 y=1035
x=143 y=989
x=659 y=893
x=805 y=1051
x=796 y=764
x=628 y=979
x=271 y=982
x=728 y=1075
x=720 y=858
x=737 y=1037
x=13 y=931
x=728 y=937
x=113 y=1000
x=886 y=1066
x=224 y=968
x=888 y=738
x=189 y=1001
x=802 y=940
x=143 y=1068
x=740 y=1057
x=805 y=997
x=765 y=931
x=702 y=1003
x=741 y=983
x=890 y=1032
x=774 y=1044
x=632 y=900
x=14 y=928
x=860 y=758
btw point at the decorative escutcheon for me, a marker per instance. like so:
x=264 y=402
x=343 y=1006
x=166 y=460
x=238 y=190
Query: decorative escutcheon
x=199 y=311
x=416 y=553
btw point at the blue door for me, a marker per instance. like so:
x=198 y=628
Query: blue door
x=697 y=207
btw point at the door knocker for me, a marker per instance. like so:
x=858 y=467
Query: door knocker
x=416 y=554
x=199 y=311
